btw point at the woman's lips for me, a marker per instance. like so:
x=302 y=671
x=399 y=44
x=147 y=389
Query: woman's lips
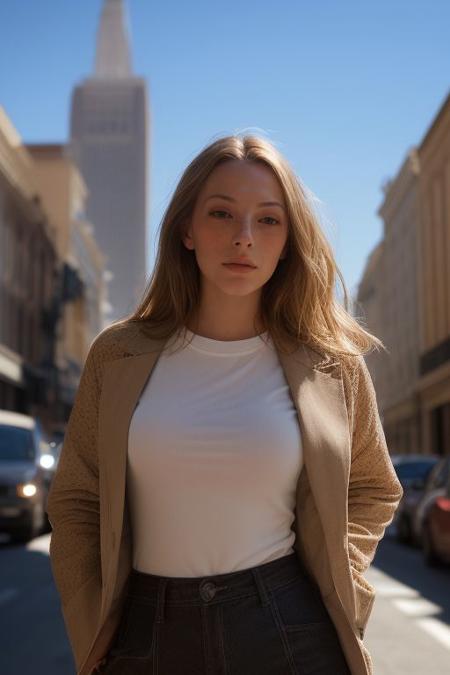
x=239 y=268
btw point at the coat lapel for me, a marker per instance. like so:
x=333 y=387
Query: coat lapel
x=319 y=399
x=122 y=383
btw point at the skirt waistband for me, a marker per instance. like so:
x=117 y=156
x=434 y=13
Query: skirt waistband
x=218 y=587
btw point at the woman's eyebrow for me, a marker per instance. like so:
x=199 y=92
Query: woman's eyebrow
x=230 y=199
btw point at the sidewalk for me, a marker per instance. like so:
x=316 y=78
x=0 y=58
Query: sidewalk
x=402 y=635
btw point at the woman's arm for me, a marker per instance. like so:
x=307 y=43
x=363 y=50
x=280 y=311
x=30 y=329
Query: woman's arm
x=374 y=489
x=73 y=501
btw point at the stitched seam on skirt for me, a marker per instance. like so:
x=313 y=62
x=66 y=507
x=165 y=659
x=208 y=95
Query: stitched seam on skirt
x=284 y=639
x=222 y=630
x=204 y=638
x=155 y=641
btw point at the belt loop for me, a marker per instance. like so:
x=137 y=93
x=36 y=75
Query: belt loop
x=259 y=581
x=160 y=606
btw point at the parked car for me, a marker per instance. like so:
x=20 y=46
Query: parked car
x=412 y=471
x=435 y=487
x=27 y=467
x=436 y=529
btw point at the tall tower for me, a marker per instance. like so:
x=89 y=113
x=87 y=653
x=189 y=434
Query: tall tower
x=108 y=141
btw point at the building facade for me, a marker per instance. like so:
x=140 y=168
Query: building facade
x=108 y=141
x=409 y=306
x=82 y=264
x=434 y=283
x=29 y=282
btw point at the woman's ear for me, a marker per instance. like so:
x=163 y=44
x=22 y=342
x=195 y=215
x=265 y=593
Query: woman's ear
x=186 y=236
x=283 y=253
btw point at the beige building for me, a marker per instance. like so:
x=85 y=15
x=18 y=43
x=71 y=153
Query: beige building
x=52 y=279
x=434 y=283
x=64 y=192
x=28 y=270
x=369 y=309
x=398 y=312
x=405 y=293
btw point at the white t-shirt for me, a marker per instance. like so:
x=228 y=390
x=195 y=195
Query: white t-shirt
x=214 y=456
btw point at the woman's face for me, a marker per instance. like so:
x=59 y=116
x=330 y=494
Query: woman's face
x=235 y=225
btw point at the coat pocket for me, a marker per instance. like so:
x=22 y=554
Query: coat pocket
x=299 y=604
x=365 y=596
x=136 y=633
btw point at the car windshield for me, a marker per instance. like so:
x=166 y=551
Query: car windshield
x=411 y=470
x=16 y=444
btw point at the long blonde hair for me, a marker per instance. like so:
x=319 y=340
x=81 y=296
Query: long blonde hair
x=298 y=304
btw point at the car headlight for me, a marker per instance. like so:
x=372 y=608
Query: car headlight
x=46 y=461
x=26 y=489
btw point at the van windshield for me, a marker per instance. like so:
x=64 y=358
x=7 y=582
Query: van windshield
x=16 y=444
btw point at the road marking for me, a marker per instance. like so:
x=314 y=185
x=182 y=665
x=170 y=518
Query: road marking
x=437 y=629
x=409 y=601
x=40 y=544
x=416 y=606
x=390 y=589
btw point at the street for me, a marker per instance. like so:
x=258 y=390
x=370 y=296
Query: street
x=409 y=628
x=408 y=631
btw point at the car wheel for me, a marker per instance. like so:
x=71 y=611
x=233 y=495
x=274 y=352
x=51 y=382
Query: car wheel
x=429 y=554
x=32 y=528
x=403 y=530
x=23 y=535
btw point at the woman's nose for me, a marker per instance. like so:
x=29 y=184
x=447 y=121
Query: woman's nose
x=244 y=229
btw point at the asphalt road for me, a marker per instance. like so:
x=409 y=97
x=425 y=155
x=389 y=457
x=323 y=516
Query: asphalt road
x=408 y=631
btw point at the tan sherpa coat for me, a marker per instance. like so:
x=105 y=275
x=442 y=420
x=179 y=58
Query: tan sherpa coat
x=347 y=491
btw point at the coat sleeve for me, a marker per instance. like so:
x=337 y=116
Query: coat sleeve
x=74 y=513
x=374 y=489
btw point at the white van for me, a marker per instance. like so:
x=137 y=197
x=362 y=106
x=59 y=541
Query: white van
x=27 y=466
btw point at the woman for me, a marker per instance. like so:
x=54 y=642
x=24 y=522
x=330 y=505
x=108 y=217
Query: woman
x=224 y=480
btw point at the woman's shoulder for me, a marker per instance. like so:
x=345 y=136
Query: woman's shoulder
x=359 y=389
x=115 y=341
x=123 y=339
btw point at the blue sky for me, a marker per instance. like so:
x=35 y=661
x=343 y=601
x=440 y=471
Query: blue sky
x=343 y=89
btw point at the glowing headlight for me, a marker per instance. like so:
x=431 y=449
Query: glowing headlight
x=47 y=461
x=26 y=490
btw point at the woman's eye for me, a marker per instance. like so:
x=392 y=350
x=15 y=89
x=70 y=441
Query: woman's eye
x=213 y=212
x=275 y=221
